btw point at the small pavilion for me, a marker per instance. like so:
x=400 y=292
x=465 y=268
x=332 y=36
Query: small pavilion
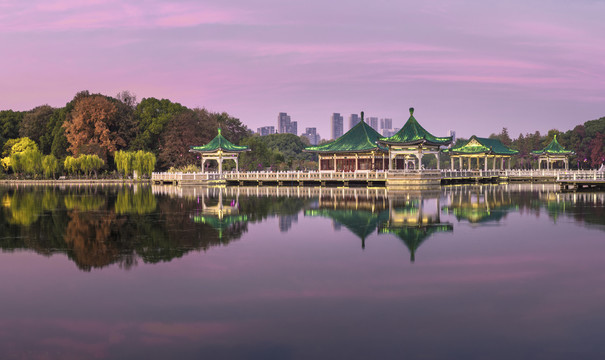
x=355 y=151
x=410 y=144
x=552 y=153
x=481 y=149
x=219 y=149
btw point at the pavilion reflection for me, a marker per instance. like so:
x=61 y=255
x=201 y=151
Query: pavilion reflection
x=213 y=212
x=415 y=217
x=479 y=205
x=411 y=216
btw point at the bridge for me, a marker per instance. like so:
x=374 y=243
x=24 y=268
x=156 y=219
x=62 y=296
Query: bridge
x=569 y=180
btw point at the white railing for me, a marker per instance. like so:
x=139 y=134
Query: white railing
x=449 y=174
x=180 y=176
x=279 y=176
x=582 y=175
x=304 y=176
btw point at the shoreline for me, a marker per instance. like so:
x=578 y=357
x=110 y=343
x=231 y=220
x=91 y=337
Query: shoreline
x=76 y=182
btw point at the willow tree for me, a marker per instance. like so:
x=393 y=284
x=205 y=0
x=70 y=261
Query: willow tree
x=127 y=162
x=50 y=165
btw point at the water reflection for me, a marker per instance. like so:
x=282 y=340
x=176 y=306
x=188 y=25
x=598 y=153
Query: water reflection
x=411 y=216
x=99 y=226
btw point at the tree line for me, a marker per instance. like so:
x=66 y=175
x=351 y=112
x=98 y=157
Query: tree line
x=118 y=136
x=587 y=141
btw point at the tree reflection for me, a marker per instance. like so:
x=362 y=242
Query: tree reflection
x=98 y=226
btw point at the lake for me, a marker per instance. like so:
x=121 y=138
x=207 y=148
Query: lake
x=462 y=272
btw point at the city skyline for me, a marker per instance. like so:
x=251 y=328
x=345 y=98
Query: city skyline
x=474 y=67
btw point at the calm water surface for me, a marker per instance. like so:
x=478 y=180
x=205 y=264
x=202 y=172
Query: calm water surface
x=465 y=272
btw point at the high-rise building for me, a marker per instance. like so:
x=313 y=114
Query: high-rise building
x=453 y=135
x=285 y=125
x=373 y=122
x=312 y=135
x=386 y=124
x=266 y=130
x=337 y=125
x=354 y=119
x=293 y=128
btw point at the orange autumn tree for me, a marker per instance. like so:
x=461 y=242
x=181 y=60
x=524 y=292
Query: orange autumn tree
x=98 y=125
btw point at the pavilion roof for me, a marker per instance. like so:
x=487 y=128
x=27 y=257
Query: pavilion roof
x=361 y=138
x=412 y=133
x=219 y=143
x=414 y=236
x=478 y=145
x=360 y=222
x=554 y=148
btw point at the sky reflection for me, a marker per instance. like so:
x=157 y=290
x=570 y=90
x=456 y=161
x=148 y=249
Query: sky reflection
x=529 y=287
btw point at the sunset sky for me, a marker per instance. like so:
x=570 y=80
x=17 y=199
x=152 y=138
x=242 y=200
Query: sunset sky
x=469 y=66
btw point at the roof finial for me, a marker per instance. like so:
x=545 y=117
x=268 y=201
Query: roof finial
x=412 y=111
x=219 y=131
x=555 y=137
x=362 y=117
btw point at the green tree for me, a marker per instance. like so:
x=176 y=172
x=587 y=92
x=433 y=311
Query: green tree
x=34 y=123
x=50 y=166
x=151 y=116
x=31 y=161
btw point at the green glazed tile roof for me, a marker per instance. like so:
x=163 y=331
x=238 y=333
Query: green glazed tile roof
x=477 y=145
x=414 y=236
x=219 y=143
x=554 y=148
x=361 y=138
x=359 y=222
x=412 y=133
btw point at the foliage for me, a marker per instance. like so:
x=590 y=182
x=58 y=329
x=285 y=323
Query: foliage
x=152 y=116
x=231 y=127
x=84 y=164
x=98 y=125
x=34 y=123
x=185 y=169
x=50 y=166
x=127 y=162
x=184 y=130
x=276 y=151
x=135 y=201
x=18 y=145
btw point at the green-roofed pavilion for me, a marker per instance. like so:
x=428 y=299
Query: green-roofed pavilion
x=411 y=143
x=219 y=149
x=552 y=153
x=355 y=151
x=481 y=149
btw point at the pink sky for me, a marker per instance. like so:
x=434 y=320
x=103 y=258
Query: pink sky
x=473 y=66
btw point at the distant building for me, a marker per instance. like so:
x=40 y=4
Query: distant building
x=354 y=119
x=266 y=130
x=373 y=122
x=386 y=127
x=389 y=132
x=293 y=128
x=386 y=124
x=453 y=135
x=285 y=125
x=337 y=125
x=312 y=135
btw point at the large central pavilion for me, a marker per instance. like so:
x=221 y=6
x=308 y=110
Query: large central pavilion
x=219 y=149
x=552 y=153
x=356 y=150
x=410 y=144
x=481 y=148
